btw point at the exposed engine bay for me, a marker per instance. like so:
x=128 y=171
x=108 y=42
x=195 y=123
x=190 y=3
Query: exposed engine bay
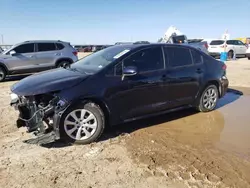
x=38 y=113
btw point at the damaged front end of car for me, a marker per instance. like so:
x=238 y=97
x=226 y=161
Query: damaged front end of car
x=40 y=113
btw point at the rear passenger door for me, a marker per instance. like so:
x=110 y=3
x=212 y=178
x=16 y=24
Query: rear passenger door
x=184 y=73
x=47 y=54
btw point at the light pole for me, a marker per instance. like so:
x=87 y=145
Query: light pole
x=2 y=38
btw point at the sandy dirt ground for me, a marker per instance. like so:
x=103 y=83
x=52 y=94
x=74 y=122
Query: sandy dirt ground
x=83 y=54
x=178 y=150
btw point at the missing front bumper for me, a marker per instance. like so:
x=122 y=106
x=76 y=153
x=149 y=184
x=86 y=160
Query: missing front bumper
x=34 y=121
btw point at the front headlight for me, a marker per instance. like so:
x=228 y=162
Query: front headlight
x=14 y=98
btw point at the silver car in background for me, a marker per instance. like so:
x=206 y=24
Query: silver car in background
x=36 y=56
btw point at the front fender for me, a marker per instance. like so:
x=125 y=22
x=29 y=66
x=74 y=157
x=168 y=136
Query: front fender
x=5 y=67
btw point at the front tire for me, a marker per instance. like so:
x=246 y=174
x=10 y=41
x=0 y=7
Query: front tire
x=208 y=99
x=82 y=124
x=2 y=74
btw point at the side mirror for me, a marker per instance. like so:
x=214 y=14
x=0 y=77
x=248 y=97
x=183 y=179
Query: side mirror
x=129 y=71
x=12 y=52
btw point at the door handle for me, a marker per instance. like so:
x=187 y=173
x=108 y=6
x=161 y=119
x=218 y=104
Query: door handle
x=199 y=71
x=164 y=77
x=57 y=54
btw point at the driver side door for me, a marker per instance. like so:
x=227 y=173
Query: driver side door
x=24 y=58
x=140 y=94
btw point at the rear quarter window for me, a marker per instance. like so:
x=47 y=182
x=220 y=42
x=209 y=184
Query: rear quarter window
x=178 y=56
x=59 y=46
x=197 y=57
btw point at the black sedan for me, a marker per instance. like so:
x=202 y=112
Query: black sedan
x=118 y=84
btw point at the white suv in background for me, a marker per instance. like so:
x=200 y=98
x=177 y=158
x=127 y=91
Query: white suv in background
x=232 y=47
x=248 y=52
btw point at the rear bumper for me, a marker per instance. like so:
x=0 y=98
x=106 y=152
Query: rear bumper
x=75 y=58
x=223 y=86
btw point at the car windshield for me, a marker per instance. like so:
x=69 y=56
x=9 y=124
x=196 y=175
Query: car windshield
x=98 y=60
x=8 y=49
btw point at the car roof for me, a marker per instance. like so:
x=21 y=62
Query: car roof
x=37 y=41
x=43 y=41
x=137 y=46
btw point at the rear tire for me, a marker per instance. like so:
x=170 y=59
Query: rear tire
x=248 y=58
x=2 y=74
x=82 y=124
x=230 y=54
x=208 y=99
x=63 y=64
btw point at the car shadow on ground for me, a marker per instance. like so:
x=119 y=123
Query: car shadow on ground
x=231 y=96
x=127 y=128
x=15 y=78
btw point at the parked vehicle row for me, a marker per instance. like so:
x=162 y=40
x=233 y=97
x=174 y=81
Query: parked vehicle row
x=90 y=48
x=95 y=48
x=35 y=56
x=118 y=84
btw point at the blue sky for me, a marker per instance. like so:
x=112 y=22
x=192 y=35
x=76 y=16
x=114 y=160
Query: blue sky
x=109 y=21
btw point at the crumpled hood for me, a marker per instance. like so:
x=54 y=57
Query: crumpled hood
x=48 y=81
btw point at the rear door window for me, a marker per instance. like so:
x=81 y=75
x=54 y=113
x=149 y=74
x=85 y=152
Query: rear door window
x=25 y=48
x=43 y=47
x=178 y=56
x=217 y=42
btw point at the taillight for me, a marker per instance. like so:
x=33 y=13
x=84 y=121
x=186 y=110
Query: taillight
x=75 y=53
x=206 y=45
x=224 y=67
